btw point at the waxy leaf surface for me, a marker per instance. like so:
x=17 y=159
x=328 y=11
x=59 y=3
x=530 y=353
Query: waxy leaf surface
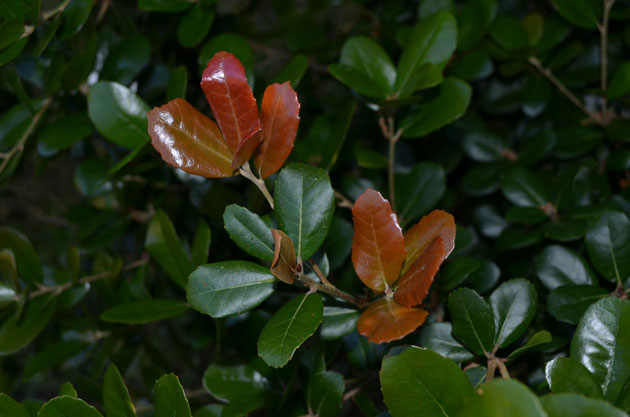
x=170 y=398
x=417 y=239
x=386 y=320
x=189 y=140
x=66 y=406
x=116 y=400
x=289 y=328
x=248 y=231
x=413 y=287
x=378 y=248
x=284 y=259
x=569 y=375
x=231 y=99
x=280 y=117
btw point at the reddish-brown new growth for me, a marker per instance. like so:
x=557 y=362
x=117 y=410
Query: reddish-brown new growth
x=280 y=117
x=386 y=320
x=378 y=248
x=378 y=253
x=233 y=104
x=189 y=140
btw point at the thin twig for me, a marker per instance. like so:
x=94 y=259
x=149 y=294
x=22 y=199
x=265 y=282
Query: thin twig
x=246 y=171
x=59 y=9
x=387 y=128
x=19 y=146
x=535 y=62
x=320 y=274
x=331 y=290
x=343 y=201
x=58 y=289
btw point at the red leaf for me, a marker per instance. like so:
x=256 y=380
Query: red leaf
x=386 y=320
x=232 y=101
x=378 y=249
x=437 y=223
x=414 y=285
x=189 y=140
x=279 y=115
x=246 y=149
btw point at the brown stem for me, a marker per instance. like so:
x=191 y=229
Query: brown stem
x=246 y=171
x=535 y=62
x=19 y=146
x=331 y=290
x=58 y=289
x=320 y=274
x=343 y=201
x=387 y=128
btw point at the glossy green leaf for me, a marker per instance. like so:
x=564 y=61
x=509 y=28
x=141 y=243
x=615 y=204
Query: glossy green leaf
x=170 y=398
x=601 y=343
x=116 y=400
x=194 y=26
x=126 y=60
x=166 y=249
x=144 y=311
x=19 y=330
x=449 y=105
x=457 y=272
x=557 y=266
x=608 y=244
x=514 y=305
x=569 y=375
x=473 y=321
x=118 y=114
x=325 y=392
x=475 y=65
x=523 y=188
x=418 y=191
x=293 y=71
x=582 y=13
x=537 y=341
x=503 y=397
x=426 y=76
x=421 y=382
x=432 y=41
x=338 y=322
x=234 y=383
x=201 y=244
x=620 y=82
x=368 y=57
x=66 y=406
x=509 y=33
x=29 y=267
x=63 y=132
x=295 y=322
x=483 y=146
x=569 y=302
x=248 y=231
x=75 y=15
x=357 y=80
x=439 y=338
x=304 y=206
x=473 y=21
x=575 y=405
x=11 y=408
x=225 y=288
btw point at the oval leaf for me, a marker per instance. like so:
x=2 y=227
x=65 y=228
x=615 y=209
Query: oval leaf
x=419 y=191
x=439 y=338
x=118 y=114
x=280 y=117
x=514 y=305
x=473 y=321
x=569 y=375
x=386 y=320
x=325 y=392
x=601 y=343
x=231 y=99
x=29 y=268
x=144 y=311
x=20 y=329
x=116 y=400
x=414 y=285
x=289 y=328
x=226 y=288
x=338 y=322
x=249 y=232
x=501 y=398
x=188 y=140
x=417 y=239
x=608 y=244
x=575 y=405
x=170 y=399
x=66 y=406
x=378 y=248
x=231 y=383
x=304 y=206
x=366 y=56
x=568 y=303
x=421 y=382
x=558 y=266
